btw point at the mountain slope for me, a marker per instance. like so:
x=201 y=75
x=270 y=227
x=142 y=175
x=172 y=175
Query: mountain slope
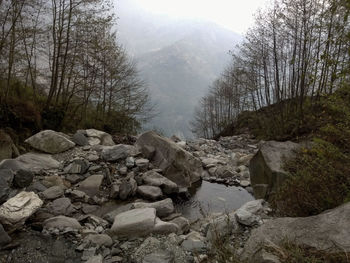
x=178 y=59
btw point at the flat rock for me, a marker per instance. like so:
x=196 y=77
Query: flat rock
x=61 y=206
x=91 y=185
x=163 y=208
x=50 y=142
x=150 y=192
x=17 y=209
x=53 y=192
x=134 y=223
x=34 y=162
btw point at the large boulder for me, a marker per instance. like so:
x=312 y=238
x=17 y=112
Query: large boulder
x=50 y=142
x=17 y=209
x=328 y=231
x=34 y=162
x=266 y=167
x=178 y=165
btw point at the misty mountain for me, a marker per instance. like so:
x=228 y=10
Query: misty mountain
x=177 y=58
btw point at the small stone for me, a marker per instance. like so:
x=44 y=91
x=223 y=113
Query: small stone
x=150 y=192
x=53 y=192
x=23 y=178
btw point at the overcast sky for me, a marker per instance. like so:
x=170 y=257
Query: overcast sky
x=236 y=15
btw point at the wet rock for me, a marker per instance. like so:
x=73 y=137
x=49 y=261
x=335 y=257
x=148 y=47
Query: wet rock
x=61 y=206
x=155 y=179
x=4 y=237
x=62 y=222
x=117 y=152
x=163 y=208
x=53 y=192
x=266 y=167
x=150 y=192
x=160 y=256
x=34 y=162
x=17 y=209
x=23 y=178
x=50 y=142
x=178 y=165
x=134 y=223
x=91 y=185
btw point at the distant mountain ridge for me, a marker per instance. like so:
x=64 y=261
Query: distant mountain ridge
x=178 y=59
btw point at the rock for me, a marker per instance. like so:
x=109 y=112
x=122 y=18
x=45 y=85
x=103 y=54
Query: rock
x=61 y=206
x=155 y=179
x=130 y=162
x=164 y=228
x=160 y=256
x=74 y=178
x=61 y=222
x=178 y=165
x=53 y=192
x=221 y=226
x=17 y=209
x=225 y=172
x=134 y=223
x=34 y=162
x=78 y=166
x=117 y=152
x=182 y=223
x=4 y=237
x=121 y=209
x=244 y=160
x=266 y=172
x=6 y=178
x=248 y=214
x=79 y=196
x=321 y=232
x=163 y=208
x=142 y=163
x=105 y=138
x=55 y=180
x=80 y=139
x=150 y=192
x=194 y=242
x=127 y=189
x=95 y=259
x=244 y=183
x=91 y=185
x=23 y=178
x=265 y=257
x=50 y=142
x=210 y=162
x=114 y=191
x=7 y=148
x=36 y=187
x=99 y=239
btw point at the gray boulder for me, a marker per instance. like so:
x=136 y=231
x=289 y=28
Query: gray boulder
x=104 y=138
x=80 y=139
x=117 y=152
x=266 y=167
x=34 y=162
x=150 y=192
x=50 y=142
x=163 y=208
x=178 y=165
x=134 y=223
x=91 y=185
x=248 y=214
x=328 y=231
x=17 y=209
x=8 y=149
x=155 y=179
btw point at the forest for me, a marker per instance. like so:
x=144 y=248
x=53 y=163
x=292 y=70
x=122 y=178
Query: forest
x=62 y=68
x=296 y=53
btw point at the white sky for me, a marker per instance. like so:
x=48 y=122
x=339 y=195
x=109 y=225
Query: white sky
x=236 y=15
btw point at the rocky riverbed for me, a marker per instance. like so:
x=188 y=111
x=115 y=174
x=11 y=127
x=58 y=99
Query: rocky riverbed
x=93 y=198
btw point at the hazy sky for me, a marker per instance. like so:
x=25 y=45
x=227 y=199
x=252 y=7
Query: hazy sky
x=236 y=15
